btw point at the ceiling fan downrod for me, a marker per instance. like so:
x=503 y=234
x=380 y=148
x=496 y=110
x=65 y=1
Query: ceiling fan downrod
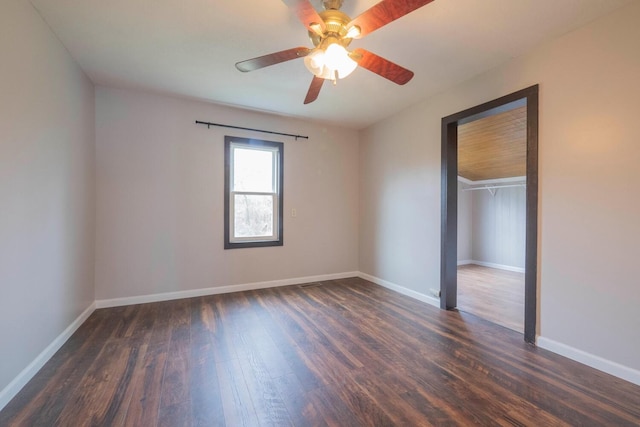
x=332 y=4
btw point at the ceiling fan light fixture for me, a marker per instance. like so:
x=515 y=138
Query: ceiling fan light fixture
x=330 y=62
x=353 y=32
x=337 y=58
x=314 y=61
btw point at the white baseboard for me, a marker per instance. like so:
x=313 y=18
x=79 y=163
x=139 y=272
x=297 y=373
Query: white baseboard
x=143 y=299
x=493 y=265
x=597 y=362
x=401 y=289
x=466 y=262
x=14 y=387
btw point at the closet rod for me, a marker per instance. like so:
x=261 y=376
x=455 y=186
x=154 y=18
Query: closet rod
x=493 y=187
x=209 y=124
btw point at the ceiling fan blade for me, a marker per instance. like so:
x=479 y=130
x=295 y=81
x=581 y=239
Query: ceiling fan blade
x=381 y=66
x=314 y=89
x=272 y=59
x=383 y=13
x=306 y=13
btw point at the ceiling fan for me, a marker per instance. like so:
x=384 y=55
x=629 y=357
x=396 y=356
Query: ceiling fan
x=331 y=32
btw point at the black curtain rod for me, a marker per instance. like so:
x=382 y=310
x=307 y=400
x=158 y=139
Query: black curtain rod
x=209 y=124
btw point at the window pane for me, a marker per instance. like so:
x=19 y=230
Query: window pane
x=253 y=216
x=252 y=170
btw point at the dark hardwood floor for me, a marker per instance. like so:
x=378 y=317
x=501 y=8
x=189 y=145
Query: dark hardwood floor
x=492 y=294
x=342 y=353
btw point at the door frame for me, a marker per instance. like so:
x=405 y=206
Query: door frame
x=449 y=219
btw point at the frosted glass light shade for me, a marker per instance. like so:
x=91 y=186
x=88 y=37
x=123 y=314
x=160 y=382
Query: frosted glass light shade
x=325 y=63
x=315 y=62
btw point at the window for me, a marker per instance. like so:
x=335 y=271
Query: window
x=253 y=193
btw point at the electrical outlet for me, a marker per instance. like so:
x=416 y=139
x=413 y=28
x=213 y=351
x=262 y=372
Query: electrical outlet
x=294 y=212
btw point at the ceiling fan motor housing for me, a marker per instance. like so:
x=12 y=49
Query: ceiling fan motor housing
x=336 y=26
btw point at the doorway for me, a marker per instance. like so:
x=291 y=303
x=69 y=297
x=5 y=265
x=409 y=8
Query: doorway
x=492 y=168
x=450 y=186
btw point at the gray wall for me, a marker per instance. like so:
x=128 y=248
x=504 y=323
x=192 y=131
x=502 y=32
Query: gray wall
x=465 y=224
x=46 y=189
x=498 y=226
x=491 y=228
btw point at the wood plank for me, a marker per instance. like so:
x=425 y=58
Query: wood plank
x=175 y=397
x=146 y=382
x=247 y=339
x=206 y=402
x=299 y=403
x=100 y=388
x=236 y=400
x=494 y=147
x=283 y=341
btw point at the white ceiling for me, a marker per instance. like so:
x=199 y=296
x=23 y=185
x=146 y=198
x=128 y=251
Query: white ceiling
x=189 y=48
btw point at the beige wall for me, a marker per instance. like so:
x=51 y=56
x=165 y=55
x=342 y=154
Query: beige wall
x=589 y=157
x=160 y=198
x=47 y=186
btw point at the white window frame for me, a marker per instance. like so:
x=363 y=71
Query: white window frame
x=231 y=144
